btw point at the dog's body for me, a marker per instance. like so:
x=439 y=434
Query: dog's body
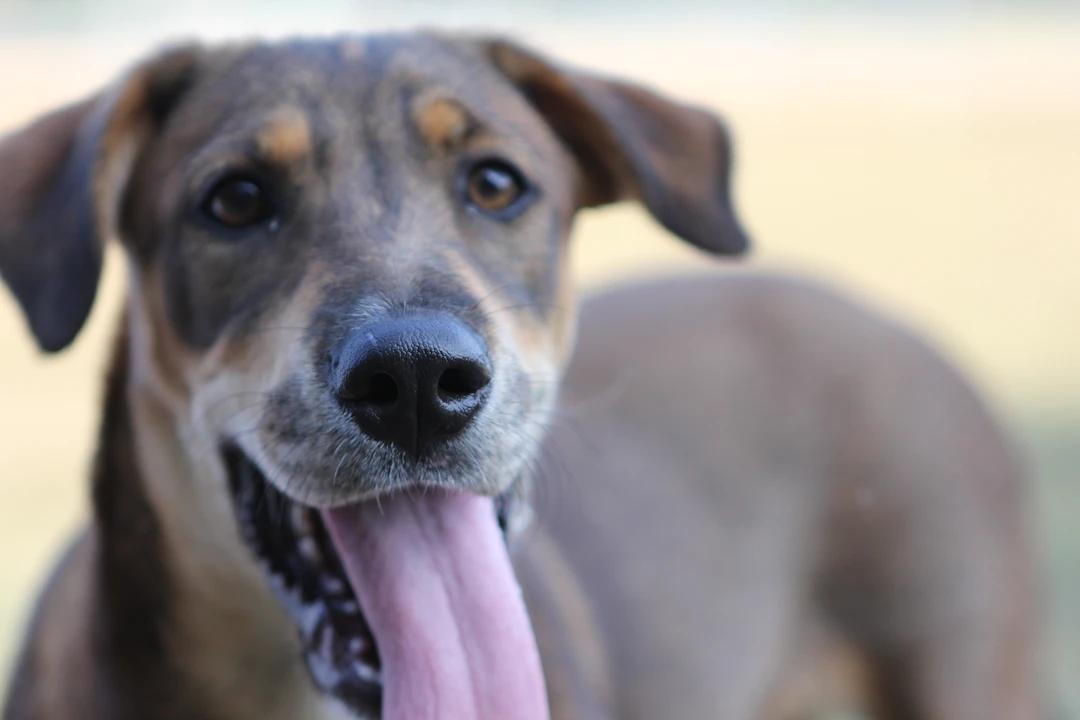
x=802 y=511
x=341 y=346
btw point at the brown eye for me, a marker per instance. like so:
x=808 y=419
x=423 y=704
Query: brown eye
x=496 y=188
x=238 y=202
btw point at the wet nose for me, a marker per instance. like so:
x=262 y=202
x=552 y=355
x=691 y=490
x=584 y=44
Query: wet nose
x=412 y=380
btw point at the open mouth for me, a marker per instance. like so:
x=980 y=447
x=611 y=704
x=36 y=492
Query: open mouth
x=305 y=572
x=407 y=605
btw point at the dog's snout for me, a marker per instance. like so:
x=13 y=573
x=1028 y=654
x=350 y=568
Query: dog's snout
x=412 y=380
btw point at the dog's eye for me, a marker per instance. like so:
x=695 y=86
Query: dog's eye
x=496 y=187
x=238 y=202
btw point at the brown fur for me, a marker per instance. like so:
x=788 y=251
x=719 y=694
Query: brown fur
x=698 y=495
x=286 y=139
x=442 y=122
x=803 y=495
x=825 y=674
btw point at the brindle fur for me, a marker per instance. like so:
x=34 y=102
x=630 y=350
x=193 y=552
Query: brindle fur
x=698 y=495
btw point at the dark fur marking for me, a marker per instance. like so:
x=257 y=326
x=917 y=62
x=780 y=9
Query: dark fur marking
x=131 y=676
x=134 y=601
x=55 y=288
x=383 y=171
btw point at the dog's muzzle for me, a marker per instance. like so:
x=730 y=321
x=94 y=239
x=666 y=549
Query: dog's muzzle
x=413 y=380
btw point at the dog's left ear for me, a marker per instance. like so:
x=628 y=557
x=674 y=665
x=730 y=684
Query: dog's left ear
x=62 y=181
x=632 y=143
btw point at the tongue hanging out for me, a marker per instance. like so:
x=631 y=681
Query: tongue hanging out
x=435 y=583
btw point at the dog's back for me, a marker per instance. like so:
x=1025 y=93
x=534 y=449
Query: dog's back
x=776 y=502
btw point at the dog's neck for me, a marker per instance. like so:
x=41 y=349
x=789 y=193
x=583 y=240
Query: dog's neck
x=186 y=621
x=134 y=586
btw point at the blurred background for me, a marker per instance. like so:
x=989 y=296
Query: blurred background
x=924 y=155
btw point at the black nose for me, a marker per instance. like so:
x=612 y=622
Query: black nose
x=412 y=380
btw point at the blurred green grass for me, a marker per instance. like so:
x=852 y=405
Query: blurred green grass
x=1053 y=446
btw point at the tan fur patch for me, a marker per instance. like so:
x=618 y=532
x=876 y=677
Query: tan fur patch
x=564 y=312
x=442 y=123
x=126 y=131
x=827 y=674
x=169 y=361
x=286 y=138
x=532 y=337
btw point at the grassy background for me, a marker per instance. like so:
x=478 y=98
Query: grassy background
x=927 y=160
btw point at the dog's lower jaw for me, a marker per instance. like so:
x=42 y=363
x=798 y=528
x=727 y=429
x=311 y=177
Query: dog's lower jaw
x=137 y=624
x=224 y=634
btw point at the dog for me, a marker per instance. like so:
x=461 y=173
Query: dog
x=343 y=387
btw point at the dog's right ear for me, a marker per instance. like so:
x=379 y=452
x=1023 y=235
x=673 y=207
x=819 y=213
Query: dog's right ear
x=632 y=143
x=62 y=181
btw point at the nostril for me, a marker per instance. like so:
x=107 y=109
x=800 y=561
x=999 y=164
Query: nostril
x=378 y=388
x=382 y=390
x=459 y=382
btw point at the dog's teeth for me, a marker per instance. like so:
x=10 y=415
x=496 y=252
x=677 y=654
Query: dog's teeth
x=309 y=550
x=357 y=645
x=302 y=520
x=322 y=669
x=305 y=573
x=366 y=672
x=326 y=641
x=332 y=585
x=310 y=617
x=278 y=582
x=347 y=607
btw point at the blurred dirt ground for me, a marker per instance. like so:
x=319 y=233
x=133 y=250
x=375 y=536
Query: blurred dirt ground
x=930 y=167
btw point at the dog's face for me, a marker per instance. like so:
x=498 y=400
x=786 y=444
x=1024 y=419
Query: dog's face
x=353 y=196
x=348 y=269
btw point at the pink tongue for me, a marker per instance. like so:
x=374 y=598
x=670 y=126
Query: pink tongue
x=434 y=580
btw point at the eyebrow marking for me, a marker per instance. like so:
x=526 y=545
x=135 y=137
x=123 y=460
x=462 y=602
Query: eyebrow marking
x=468 y=276
x=286 y=137
x=443 y=123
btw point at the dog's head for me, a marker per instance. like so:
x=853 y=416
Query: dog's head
x=348 y=283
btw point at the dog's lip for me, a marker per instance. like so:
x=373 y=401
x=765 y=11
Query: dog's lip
x=304 y=571
x=344 y=498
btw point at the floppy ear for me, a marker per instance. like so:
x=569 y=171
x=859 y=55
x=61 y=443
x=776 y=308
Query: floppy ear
x=632 y=143
x=62 y=180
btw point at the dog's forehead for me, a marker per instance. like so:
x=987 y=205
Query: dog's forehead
x=353 y=134
x=333 y=85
